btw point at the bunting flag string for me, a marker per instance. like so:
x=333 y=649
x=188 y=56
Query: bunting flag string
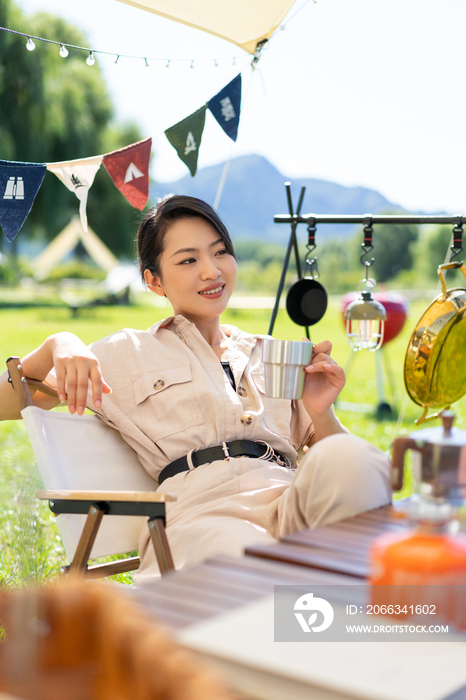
x=129 y=170
x=185 y=136
x=127 y=167
x=78 y=176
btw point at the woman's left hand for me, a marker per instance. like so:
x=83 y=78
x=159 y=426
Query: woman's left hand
x=324 y=381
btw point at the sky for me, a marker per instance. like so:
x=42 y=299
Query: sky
x=363 y=93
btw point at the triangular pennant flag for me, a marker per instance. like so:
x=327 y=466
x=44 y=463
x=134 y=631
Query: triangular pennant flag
x=185 y=137
x=129 y=170
x=19 y=184
x=226 y=106
x=78 y=176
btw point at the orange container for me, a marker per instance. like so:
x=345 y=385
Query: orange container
x=422 y=572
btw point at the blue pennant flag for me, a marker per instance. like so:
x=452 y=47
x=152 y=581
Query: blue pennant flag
x=19 y=184
x=226 y=105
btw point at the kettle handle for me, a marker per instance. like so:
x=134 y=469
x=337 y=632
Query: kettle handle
x=399 y=447
x=449 y=266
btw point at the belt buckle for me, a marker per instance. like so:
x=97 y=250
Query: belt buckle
x=270 y=455
x=226 y=451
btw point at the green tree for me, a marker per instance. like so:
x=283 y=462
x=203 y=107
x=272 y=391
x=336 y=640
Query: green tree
x=393 y=250
x=437 y=247
x=54 y=109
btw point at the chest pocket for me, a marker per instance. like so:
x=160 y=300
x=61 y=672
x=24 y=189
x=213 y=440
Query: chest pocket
x=165 y=401
x=277 y=412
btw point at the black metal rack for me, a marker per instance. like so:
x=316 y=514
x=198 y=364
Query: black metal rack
x=295 y=218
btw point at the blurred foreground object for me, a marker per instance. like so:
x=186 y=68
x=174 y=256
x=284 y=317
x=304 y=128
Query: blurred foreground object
x=85 y=641
x=413 y=568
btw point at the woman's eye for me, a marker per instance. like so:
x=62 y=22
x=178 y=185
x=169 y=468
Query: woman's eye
x=222 y=251
x=187 y=261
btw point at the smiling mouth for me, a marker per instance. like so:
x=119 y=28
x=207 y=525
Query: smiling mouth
x=214 y=291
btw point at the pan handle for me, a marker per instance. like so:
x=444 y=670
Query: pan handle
x=449 y=266
x=424 y=418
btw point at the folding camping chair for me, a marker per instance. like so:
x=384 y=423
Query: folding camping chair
x=89 y=471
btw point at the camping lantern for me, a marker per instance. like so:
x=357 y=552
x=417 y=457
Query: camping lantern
x=395 y=305
x=365 y=320
x=365 y=317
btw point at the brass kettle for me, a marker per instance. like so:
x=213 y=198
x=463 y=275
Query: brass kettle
x=435 y=361
x=439 y=460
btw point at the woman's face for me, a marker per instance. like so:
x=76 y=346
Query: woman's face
x=198 y=275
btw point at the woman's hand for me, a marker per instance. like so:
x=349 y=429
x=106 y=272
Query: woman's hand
x=324 y=381
x=75 y=366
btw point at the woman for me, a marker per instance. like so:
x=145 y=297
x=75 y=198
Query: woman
x=188 y=396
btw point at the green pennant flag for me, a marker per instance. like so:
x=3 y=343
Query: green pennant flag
x=185 y=137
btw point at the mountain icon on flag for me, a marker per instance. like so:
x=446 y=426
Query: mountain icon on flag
x=132 y=173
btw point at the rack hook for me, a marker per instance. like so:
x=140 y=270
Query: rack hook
x=457 y=245
x=311 y=246
x=367 y=244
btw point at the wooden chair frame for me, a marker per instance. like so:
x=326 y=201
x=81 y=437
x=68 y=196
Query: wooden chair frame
x=96 y=504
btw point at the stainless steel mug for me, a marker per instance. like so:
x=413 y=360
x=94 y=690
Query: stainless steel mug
x=284 y=363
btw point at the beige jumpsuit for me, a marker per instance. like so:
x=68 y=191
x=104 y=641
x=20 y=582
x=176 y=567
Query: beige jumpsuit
x=171 y=396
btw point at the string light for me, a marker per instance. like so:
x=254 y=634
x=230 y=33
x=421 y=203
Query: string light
x=64 y=52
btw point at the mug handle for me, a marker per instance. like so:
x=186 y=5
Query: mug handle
x=400 y=445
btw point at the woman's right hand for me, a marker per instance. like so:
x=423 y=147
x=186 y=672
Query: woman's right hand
x=75 y=365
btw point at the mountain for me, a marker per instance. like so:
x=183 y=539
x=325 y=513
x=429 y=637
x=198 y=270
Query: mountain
x=254 y=192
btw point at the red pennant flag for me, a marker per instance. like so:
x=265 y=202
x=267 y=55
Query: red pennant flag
x=129 y=170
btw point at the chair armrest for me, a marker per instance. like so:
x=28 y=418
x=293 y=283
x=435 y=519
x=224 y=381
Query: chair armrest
x=21 y=384
x=43 y=388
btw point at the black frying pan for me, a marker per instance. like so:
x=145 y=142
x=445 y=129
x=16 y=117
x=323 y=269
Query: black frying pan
x=306 y=302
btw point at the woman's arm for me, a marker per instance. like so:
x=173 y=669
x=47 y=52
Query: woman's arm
x=75 y=365
x=324 y=382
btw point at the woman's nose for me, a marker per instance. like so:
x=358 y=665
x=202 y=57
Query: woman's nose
x=210 y=270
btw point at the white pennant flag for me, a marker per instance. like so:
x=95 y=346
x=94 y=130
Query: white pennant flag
x=78 y=176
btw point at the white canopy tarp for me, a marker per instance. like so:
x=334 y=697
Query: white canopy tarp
x=243 y=22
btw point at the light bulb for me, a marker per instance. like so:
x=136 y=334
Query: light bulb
x=30 y=44
x=63 y=51
x=364 y=334
x=90 y=60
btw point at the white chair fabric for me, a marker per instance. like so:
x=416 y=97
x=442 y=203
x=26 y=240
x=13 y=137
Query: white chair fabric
x=83 y=453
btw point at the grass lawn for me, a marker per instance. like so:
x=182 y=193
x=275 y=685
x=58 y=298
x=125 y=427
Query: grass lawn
x=31 y=549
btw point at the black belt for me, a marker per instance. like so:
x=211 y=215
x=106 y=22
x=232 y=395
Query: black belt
x=236 y=448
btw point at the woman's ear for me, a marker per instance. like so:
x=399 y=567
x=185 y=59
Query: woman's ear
x=153 y=282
